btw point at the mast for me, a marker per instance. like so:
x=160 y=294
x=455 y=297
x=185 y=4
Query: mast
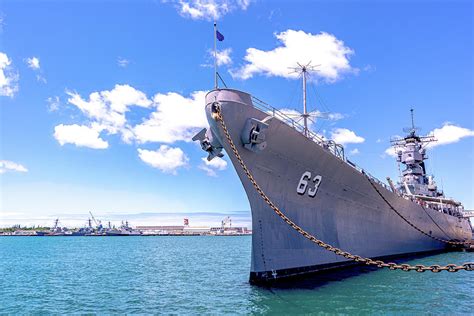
x=215 y=55
x=305 y=111
x=304 y=70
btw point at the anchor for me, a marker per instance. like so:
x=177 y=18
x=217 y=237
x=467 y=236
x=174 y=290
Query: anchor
x=209 y=144
x=253 y=134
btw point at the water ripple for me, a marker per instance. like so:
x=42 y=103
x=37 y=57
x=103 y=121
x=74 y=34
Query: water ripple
x=205 y=275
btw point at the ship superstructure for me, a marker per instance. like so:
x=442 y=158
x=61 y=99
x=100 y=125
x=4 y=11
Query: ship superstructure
x=414 y=182
x=326 y=194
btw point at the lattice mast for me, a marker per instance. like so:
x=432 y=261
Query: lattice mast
x=304 y=70
x=305 y=110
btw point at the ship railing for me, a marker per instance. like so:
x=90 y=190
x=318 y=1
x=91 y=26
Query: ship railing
x=446 y=207
x=383 y=184
x=330 y=145
x=333 y=147
x=468 y=213
x=371 y=177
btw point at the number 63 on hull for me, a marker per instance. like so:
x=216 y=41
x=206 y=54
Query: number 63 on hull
x=308 y=183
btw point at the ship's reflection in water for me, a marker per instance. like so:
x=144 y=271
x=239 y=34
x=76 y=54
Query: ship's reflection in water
x=206 y=275
x=318 y=279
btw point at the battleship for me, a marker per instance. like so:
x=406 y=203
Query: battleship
x=311 y=180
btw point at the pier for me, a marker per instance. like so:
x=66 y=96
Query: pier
x=98 y=230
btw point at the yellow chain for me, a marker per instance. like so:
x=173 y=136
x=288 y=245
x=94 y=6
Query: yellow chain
x=381 y=264
x=411 y=224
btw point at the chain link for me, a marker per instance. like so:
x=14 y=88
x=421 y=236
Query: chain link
x=381 y=264
x=411 y=224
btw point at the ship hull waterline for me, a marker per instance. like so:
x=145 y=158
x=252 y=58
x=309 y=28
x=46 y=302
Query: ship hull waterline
x=346 y=211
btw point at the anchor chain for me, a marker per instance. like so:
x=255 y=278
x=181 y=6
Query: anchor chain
x=217 y=115
x=411 y=224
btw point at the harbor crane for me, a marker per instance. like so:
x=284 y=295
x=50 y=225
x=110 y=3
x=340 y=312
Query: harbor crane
x=97 y=222
x=224 y=223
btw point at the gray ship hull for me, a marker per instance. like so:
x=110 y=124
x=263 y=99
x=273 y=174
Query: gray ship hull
x=346 y=212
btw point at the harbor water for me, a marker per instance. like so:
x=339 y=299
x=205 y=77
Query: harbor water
x=206 y=275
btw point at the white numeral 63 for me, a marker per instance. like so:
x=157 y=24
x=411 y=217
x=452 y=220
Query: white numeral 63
x=304 y=181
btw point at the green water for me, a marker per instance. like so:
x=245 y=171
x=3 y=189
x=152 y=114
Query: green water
x=205 y=275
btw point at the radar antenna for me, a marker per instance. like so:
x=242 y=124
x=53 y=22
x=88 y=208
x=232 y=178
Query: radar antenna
x=413 y=129
x=424 y=140
x=303 y=70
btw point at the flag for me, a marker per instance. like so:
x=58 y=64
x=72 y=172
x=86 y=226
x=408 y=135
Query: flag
x=219 y=36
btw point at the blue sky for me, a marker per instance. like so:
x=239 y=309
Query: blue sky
x=99 y=98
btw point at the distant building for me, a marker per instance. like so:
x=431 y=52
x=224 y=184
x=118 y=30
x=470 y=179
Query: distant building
x=192 y=230
x=229 y=230
x=165 y=230
x=197 y=230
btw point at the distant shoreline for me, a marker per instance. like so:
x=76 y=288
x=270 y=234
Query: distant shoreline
x=143 y=235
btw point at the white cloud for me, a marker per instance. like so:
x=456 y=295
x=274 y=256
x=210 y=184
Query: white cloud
x=345 y=136
x=331 y=116
x=176 y=119
x=167 y=159
x=290 y=113
x=6 y=166
x=33 y=63
x=8 y=78
x=369 y=68
x=80 y=135
x=295 y=115
x=314 y=116
x=391 y=151
x=322 y=49
x=53 y=103
x=40 y=78
x=108 y=108
x=2 y=22
x=210 y=167
x=209 y=171
x=243 y=4
x=334 y=116
x=173 y=118
x=354 y=152
x=210 y=10
x=448 y=134
x=223 y=56
x=122 y=62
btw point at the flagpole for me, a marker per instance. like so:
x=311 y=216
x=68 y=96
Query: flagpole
x=215 y=55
